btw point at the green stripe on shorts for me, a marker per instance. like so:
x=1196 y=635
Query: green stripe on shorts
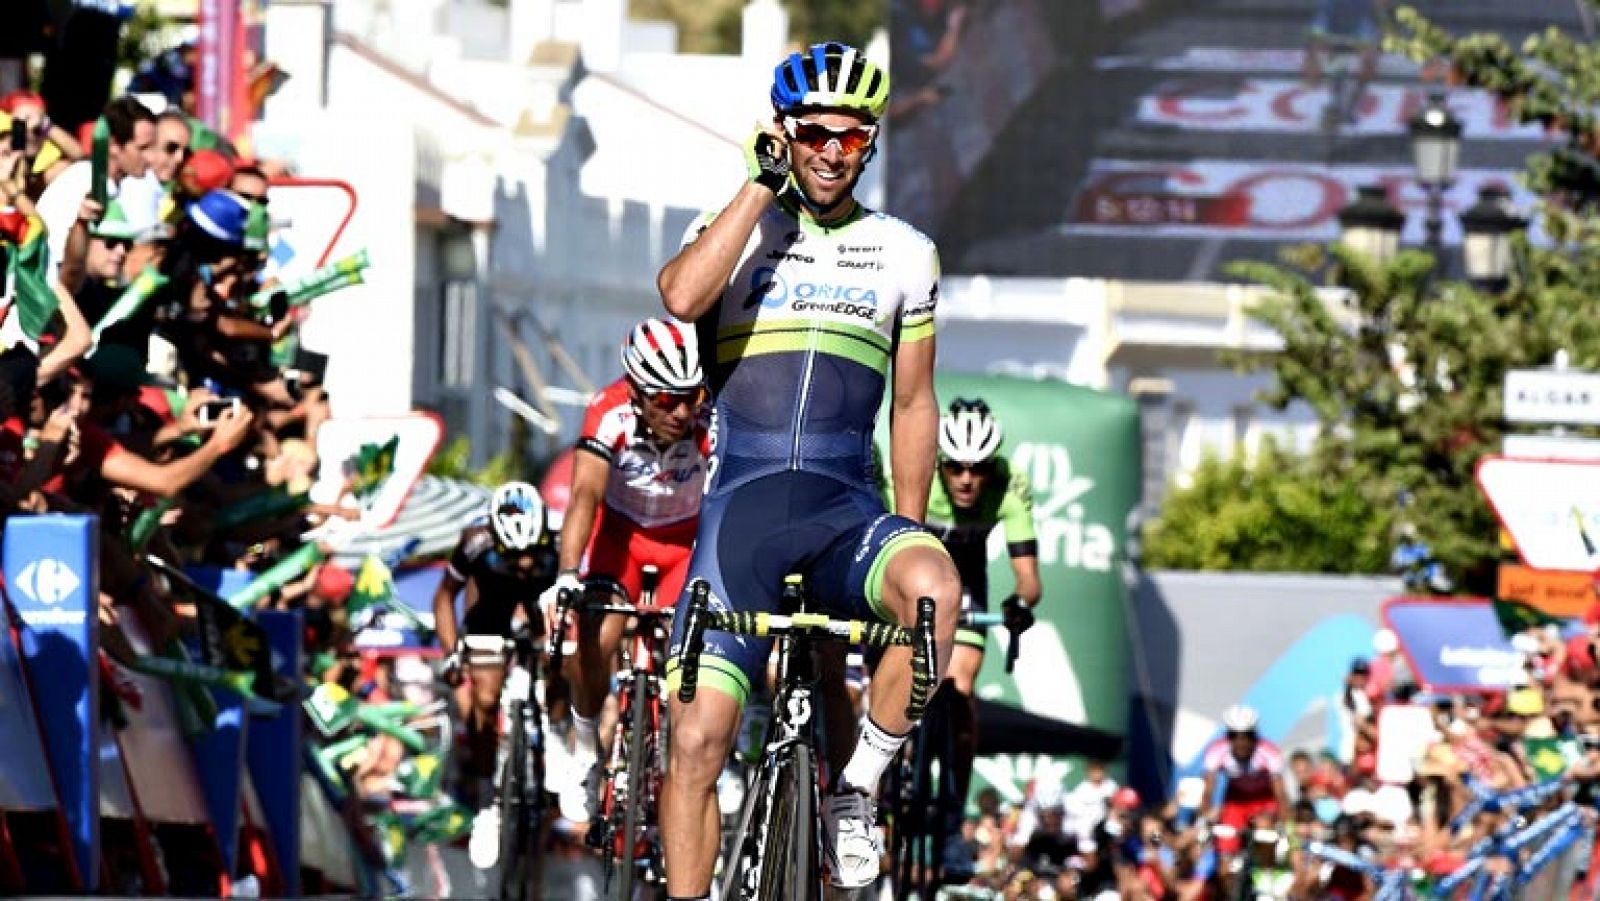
x=972 y=639
x=880 y=566
x=715 y=673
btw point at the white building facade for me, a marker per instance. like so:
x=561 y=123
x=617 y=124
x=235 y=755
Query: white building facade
x=524 y=171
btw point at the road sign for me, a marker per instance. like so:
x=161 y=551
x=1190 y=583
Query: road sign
x=1550 y=507
x=1550 y=447
x=1551 y=395
x=1553 y=591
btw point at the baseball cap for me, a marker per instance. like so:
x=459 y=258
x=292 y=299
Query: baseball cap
x=1360 y=665
x=205 y=170
x=221 y=214
x=115 y=225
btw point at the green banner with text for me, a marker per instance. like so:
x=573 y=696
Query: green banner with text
x=1080 y=449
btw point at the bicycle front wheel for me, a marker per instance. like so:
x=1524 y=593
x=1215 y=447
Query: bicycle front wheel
x=789 y=846
x=638 y=698
x=518 y=823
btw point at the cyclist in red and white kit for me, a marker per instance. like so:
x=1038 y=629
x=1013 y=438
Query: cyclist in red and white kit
x=636 y=486
x=1252 y=768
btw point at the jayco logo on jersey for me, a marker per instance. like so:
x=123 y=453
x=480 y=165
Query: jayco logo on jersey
x=1066 y=535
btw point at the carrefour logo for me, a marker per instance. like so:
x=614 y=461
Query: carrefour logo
x=48 y=581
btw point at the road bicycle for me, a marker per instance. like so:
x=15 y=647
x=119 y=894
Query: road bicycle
x=520 y=778
x=776 y=846
x=624 y=827
x=920 y=788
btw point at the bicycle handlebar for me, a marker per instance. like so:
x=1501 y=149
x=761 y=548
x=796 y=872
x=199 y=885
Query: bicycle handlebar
x=811 y=625
x=986 y=619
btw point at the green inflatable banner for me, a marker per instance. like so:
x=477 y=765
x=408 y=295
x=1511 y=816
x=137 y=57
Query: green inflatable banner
x=1080 y=449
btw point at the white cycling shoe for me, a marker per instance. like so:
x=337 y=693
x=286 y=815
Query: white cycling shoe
x=850 y=839
x=578 y=789
x=483 y=848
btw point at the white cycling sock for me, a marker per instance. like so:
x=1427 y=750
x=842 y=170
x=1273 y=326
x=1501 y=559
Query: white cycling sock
x=874 y=749
x=586 y=735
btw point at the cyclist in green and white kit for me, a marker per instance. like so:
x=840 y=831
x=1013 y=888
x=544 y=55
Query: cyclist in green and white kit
x=976 y=491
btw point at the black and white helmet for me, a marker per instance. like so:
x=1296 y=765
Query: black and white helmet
x=660 y=355
x=969 y=433
x=516 y=513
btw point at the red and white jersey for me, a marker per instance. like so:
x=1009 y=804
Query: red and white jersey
x=650 y=485
x=1247 y=779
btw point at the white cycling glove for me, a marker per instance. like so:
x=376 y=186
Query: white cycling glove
x=548 y=598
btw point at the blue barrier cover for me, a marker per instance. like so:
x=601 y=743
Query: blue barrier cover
x=219 y=761
x=53 y=580
x=24 y=775
x=274 y=751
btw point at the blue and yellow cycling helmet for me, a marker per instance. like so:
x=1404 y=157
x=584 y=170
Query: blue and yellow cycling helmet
x=832 y=76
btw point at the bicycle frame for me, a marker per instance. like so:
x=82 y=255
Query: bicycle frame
x=788 y=760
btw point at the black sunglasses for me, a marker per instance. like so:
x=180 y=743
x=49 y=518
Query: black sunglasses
x=175 y=147
x=956 y=466
x=1232 y=735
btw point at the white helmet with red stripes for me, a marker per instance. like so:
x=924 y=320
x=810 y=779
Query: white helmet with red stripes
x=662 y=355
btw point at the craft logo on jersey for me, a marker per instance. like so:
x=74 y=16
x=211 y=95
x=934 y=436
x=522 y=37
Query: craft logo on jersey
x=1067 y=536
x=48 y=581
x=771 y=290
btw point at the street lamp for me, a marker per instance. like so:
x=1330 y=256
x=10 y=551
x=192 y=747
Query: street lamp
x=1486 y=246
x=1371 y=225
x=1435 y=146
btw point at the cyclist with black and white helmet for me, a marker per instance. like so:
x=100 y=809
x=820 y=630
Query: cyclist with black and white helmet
x=975 y=493
x=637 y=479
x=504 y=562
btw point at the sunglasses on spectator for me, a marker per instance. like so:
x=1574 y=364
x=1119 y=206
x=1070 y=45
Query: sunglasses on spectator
x=956 y=467
x=815 y=135
x=669 y=400
x=253 y=198
x=114 y=243
x=174 y=147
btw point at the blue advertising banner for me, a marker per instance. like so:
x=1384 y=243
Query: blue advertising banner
x=1454 y=644
x=53 y=580
x=274 y=751
x=24 y=776
x=219 y=762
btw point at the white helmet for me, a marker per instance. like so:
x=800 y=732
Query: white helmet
x=659 y=355
x=516 y=513
x=969 y=433
x=1240 y=718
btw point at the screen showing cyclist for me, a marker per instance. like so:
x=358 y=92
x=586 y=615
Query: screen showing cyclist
x=637 y=479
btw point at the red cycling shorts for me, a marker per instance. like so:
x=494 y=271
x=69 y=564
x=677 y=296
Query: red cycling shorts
x=619 y=547
x=1239 y=814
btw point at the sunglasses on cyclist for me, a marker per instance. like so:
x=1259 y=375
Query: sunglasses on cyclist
x=1232 y=735
x=669 y=400
x=956 y=467
x=815 y=135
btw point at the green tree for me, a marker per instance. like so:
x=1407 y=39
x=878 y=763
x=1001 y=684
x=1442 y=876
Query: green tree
x=1278 y=512
x=1406 y=376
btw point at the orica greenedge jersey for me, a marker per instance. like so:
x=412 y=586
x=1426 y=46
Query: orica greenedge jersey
x=1005 y=501
x=798 y=347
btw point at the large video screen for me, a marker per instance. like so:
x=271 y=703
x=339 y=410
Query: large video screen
x=1161 y=139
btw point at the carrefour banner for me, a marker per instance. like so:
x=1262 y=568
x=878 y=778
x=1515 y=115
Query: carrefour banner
x=1079 y=450
x=51 y=575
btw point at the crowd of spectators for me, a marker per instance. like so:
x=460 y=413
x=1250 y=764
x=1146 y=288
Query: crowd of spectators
x=1408 y=789
x=151 y=372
